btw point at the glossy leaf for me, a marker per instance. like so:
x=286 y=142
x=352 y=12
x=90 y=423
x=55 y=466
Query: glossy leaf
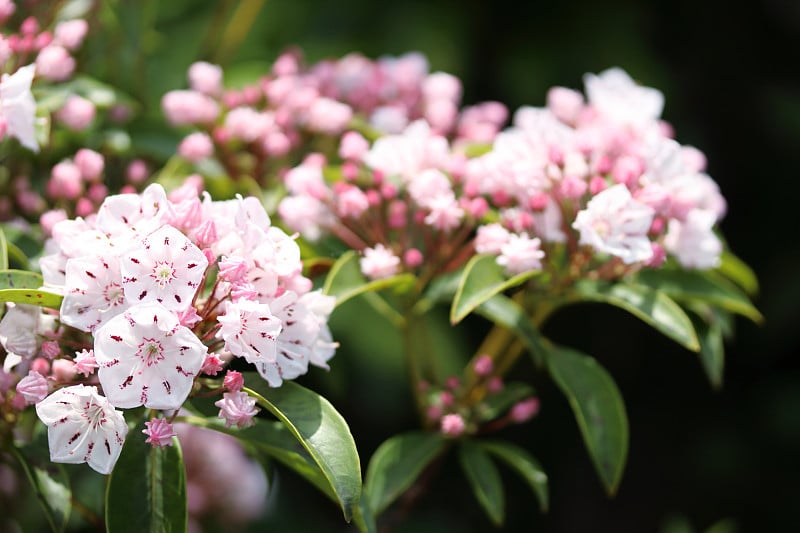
x=19 y=279
x=484 y=478
x=712 y=349
x=645 y=303
x=598 y=408
x=346 y=281
x=738 y=272
x=363 y=518
x=50 y=483
x=523 y=463
x=321 y=430
x=507 y=313
x=705 y=286
x=37 y=297
x=497 y=404
x=482 y=279
x=147 y=488
x=396 y=464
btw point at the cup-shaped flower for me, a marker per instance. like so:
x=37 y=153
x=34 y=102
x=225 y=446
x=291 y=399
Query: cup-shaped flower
x=82 y=427
x=167 y=269
x=145 y=357
x=250 y=330
x=617 y=224
x=92 y=292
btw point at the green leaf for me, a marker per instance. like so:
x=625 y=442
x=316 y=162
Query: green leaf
x=712 y=349
x=738 y=272
x=524 y=464
x=443 y=288
x=19 y=279
x=50 y=484
x=147 y=488
x=497 y=404
x=705 y=286
x=396 y=464
x=484 y=478
x=364 y=519
x=598 y=408
x=3 y=250
x=506 y=312
x=321 y=430
x=645 y=303
x=482 y=279
x=345 y=280
x=40 y=298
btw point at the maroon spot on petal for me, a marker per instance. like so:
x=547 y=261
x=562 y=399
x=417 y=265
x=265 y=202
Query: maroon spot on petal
x=191 y=265
x=166 y=241
x=116 y=338
x=167 y=386
x=178 y=298
x=125 y=219
x=264 y=318
x=127 y=382
x=143 y=294
x=108 y=447
x=90 y=275
x=74 y=438
x=180 y=369
x=135 y=260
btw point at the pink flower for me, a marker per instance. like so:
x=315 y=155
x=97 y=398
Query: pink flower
x=77 y=113
x=196 y=146
x=693 y=241
x=54 y=63
x=205 y=78
x=90 y=163
x=452 y=425
x=159 y=432
x=70 y=33
x=85 y=363
x=524 y=410
x=189 y=107
x=483 y=365
x=233 y=381
x=237 y=409
x=83 y=427
x=65 y=181
x=211 y=365
x=353 y=146
x=147 y=358
x=521 y=254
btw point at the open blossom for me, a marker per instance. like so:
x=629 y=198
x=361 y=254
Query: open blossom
x=617 y=96
x=146 y=357
x=237 y=409
x=82 y=427
x=17 y=106
x=250 y=330
x=379 y=262
x=693 y=241
x=616 y=224
x=167 y=268
x=93 y=293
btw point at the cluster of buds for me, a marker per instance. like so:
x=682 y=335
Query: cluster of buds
x=258 y=129
x=158 y=290
x=598 y=178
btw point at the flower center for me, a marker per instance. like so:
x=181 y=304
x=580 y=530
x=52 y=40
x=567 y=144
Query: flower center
x=150 y=351
x=602 y=227
x=94 y=414
x=113 y=294
x=163 y=273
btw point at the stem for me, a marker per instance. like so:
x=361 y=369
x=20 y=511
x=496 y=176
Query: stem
x=416 y=346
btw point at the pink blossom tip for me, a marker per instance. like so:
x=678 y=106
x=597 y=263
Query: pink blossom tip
x=159 y=432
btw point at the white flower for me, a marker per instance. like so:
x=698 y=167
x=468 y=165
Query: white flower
x=145 y=357
x=92 y=293
x=693 y=241
x=379 y=262
x=167 y=268
x=17 y=106
x=21 y=330
x=82 y=427
x=250 y=330
x=614 y=223
x=618 y=97
x=521 y=254
x=409 y=153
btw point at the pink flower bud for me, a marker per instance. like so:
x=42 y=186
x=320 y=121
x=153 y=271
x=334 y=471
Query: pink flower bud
x=572 y=188
x=136 y=172
x=398 y=213
x=65 y=181
x=159 y=432
x=85 y=363
x=232 y=268
x=565 y=104
x=277 y=144
x=211 y=365
x=84 y=207
x=524 y=410
x=196 y=146
x=597 y=185
x=658 y=257
x=41 y=365
x=63 y=370
x=33 y=387
x=189 y=107
x=205 y=78
x=413 y=258
x=433 y=412
x=97 y=193
x=495 y=385
x=237 y=408
x=441 y=86
x=42 y=40
x=206 y=235
x=70 y=33
x=189 y=317
x=90 y=163
x=233 y=381
x=353 y=146
x=452 y=425
x=50 y=219
x=483 y=365
x=50 y=349
x=29 y=26
x=54 y=63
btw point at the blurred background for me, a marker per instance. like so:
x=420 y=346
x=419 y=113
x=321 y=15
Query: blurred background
x=729 y=72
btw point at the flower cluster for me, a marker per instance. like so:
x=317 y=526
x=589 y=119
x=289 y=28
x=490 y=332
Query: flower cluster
x=258 y=129
x=598 y=176
x=166 y=288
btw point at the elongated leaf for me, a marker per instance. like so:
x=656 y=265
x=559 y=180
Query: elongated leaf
x=147 y=488
x=738 y=272
x=712 y=349
x=525 y=465
x=705 y=286
x=3 y=250
x=364 y=519
x=346 y=281
x=50 y=484
x=396 y=464
x=598 y=408
x=321 y=430
x=506 y=312
x=482 y=279
x=442 y=289
x=497 y=404
x=38 y=297
x=484 y=479
x=19 y=279
x=645 y=303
